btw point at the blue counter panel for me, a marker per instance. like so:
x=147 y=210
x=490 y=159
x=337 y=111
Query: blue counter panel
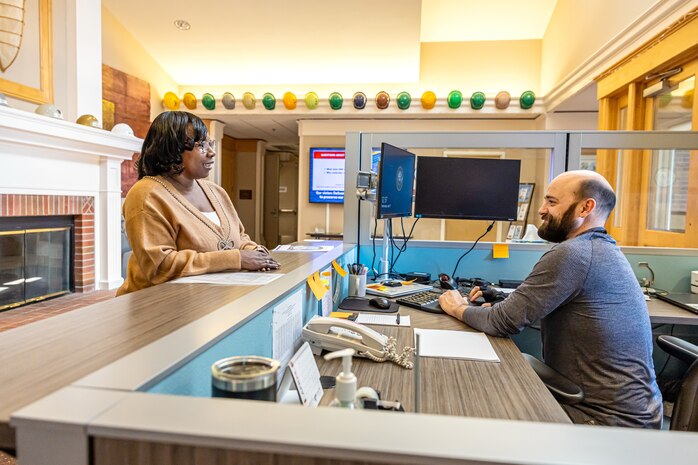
x=194 y=378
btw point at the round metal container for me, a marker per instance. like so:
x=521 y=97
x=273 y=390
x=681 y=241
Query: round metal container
x=245 y=377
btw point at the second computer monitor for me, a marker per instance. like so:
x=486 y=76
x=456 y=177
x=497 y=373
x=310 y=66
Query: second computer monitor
x=467 y=188
x=395 y=182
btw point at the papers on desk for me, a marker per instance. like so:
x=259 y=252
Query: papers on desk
x=385 y=320
x=303 y=248
x=230 y=279
x=455 y=344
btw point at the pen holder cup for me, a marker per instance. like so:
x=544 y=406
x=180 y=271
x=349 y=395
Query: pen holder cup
x=357 y=285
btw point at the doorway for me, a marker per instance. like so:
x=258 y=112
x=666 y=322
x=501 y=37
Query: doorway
x=280 y=198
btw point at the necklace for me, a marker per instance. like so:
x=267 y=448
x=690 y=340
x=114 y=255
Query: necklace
x=224 y=243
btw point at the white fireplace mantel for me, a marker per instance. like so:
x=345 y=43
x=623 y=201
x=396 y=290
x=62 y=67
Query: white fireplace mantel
x=46 y=156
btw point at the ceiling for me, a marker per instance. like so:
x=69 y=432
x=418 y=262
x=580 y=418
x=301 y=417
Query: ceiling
x=236 y=42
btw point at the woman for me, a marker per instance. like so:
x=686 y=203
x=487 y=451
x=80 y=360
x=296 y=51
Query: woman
x=178 y=224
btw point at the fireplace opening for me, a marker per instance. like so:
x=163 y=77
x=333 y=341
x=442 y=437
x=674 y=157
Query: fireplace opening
x=36 y=259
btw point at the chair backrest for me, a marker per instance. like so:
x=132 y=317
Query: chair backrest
x=685 y=414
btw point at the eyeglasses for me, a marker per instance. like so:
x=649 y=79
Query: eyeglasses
x=206 y=145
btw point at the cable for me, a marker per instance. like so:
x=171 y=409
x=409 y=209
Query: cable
x=489 y=228
x=373 y=261
x=404 y=245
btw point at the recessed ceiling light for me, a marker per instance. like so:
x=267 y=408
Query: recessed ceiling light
x=182 y=25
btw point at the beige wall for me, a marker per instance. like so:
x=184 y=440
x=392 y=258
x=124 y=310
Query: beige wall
x=121 y=51
x=487 y=66
x=573 y=36
x=331 y=133
x=246 y=179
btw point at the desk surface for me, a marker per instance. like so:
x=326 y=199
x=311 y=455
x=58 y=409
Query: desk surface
x=506 y=390
x=662 y=312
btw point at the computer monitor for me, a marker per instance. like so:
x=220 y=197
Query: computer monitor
x=395 y=182
x=326 y=175
x=467 y=188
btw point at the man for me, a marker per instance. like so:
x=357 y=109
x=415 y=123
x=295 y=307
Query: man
x=594 y=322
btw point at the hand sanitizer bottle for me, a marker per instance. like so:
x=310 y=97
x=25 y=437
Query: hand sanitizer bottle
x=346 y=381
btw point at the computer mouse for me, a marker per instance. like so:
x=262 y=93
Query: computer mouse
x=380 y=302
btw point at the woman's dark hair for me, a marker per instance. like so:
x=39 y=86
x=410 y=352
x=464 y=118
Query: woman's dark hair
x=170 y=134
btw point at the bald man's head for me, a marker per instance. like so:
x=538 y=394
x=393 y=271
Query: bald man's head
x=591 y=185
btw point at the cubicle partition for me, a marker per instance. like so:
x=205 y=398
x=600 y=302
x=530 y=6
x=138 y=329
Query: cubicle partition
x=133 y=388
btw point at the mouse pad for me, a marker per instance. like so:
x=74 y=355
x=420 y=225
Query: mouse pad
x=361 y=304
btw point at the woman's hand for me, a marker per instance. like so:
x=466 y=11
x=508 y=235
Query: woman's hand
x=254 y=260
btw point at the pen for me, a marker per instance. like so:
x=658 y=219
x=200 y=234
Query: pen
x=397 y=319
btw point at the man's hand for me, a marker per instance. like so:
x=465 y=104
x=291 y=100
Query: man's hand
x=453 y=303
x=476 y=293
x=254 y=260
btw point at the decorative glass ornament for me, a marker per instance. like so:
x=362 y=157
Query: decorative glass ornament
x=312 y=100
x=359 y=100
x=269 y=101
x=248 y=100
x=527 y=99
x=403 y=99
x=382 y=100
x=228 y=101
x=477 y=100
x=208 y=101
x=502 y=99
x=290 y=100
x=454 y=99
x=170 y=101
x=336 y=100
x=428 y=100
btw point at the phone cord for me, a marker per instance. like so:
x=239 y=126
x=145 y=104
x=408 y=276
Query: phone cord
x=391 y=354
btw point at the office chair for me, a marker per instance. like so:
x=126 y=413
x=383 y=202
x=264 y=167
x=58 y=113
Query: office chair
x=685 y=414
x=564 y=390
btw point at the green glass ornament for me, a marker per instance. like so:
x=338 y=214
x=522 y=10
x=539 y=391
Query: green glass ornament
x=208 y=101
x=336 y=100
x=455 y=99
x=527 y=99
x=477 y=100
x=269 y=101
x=403 y=100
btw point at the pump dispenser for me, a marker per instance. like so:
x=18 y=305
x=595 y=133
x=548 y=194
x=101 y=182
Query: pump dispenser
x=346 y=381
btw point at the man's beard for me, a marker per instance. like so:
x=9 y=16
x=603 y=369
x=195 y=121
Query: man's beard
x=557 y=230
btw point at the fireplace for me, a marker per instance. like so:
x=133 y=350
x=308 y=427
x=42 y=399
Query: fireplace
x=35 y=259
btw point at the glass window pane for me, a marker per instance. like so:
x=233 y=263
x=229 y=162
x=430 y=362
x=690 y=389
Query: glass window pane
x=668 y=183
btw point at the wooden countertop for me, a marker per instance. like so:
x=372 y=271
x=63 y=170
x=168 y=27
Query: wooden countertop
x=506 y=390
x=40 y=358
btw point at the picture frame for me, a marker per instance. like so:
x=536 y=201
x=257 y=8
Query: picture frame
x=517 y=231
x=525 y=191
x=522 y=212
x=34 y=61
x=511 y=232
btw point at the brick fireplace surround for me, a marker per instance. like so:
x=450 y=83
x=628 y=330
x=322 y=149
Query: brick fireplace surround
x=81 y=208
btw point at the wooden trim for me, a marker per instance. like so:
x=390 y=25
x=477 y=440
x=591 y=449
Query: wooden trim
x=43 y=94
x=663 y=52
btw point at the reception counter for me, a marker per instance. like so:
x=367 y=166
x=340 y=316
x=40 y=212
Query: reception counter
x=77 y=385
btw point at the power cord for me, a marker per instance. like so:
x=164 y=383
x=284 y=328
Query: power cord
x=489 y=228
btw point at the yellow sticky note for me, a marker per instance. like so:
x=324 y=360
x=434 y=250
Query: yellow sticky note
x=500 y=251
x=316 y=286
x=407 y=283
x=340 y=271
x=341 y=314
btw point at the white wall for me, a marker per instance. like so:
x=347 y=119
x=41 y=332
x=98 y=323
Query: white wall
x=121 y=51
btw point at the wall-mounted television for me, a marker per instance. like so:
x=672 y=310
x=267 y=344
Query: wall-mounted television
x=326 y=175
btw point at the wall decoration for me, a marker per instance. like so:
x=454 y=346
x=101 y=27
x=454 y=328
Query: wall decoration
x=208 y=101
x=47 y=109
x=25 y=62
x=454 y=99
x=170 y=101
x=336 y=101
x=290 y=100
x=403 y=99
x=428 y=100
x=518 y=227
x=527 y=99
x=269 y=101
x=502 y=99
x=249 y=101
x=228 y=101
x=359 y=100
x=382 y=100
x=312 y=100
x=189 y=101
x=123 y=129
x=477 y=100
x=89 y=120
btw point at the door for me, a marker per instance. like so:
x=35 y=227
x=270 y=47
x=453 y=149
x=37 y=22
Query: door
x=288 y=198
x=271 y=199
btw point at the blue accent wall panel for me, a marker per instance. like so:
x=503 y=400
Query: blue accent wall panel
x=194 y=378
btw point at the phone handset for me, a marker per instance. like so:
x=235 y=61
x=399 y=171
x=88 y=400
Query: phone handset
x=335 y=334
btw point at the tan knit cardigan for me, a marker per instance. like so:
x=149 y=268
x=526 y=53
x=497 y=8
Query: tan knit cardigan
x=170 y=237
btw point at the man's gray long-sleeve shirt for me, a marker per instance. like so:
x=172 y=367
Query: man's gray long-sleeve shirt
x=594 y=325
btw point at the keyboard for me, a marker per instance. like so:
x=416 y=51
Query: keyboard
x=427 y=301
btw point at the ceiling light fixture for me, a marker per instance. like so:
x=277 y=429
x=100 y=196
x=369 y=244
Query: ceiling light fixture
x=182 y=25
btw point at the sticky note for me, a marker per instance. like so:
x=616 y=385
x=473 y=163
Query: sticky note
x=341 y=314
x=340 y=271
x=316 y=286
x=500 y=251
